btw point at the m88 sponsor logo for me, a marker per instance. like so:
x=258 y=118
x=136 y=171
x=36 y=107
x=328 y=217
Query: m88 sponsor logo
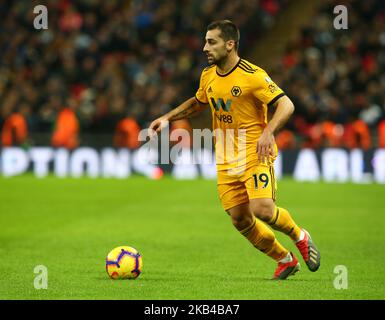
x=226 y=118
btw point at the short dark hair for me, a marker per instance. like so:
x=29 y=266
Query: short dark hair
x=229 y=30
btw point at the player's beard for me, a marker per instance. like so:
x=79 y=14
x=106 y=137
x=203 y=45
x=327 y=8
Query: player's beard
x=220 y=61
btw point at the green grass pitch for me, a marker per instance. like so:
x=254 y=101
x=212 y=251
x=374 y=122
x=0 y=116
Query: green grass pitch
x=190 y=249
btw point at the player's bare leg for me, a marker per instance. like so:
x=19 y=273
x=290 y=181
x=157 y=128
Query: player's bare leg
x=281 y=220
x=262 y=238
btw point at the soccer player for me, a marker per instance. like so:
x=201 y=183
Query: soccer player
x=239 y=94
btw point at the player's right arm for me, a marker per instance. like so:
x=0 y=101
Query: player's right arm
x=187 y=109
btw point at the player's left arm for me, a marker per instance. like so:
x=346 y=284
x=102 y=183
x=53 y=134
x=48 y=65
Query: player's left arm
x=284 y=108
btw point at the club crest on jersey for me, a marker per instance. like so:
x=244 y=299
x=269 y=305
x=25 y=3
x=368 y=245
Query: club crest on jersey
x=272 y=85
x=272 y=88
x=236 y=91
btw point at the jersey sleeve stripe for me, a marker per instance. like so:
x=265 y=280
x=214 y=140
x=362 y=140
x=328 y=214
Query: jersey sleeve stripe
x=246 y=70
x=275 y=99
x=247 y=66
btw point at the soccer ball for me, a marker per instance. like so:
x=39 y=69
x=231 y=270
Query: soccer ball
x=124 y=263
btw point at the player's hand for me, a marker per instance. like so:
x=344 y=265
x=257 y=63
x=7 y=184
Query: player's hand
x=157 y=126
x=266 y=146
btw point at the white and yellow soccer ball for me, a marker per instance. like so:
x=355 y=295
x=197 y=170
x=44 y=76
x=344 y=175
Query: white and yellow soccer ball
x=124 y=263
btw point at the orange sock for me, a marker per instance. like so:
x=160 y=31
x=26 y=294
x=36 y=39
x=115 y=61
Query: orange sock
x=282 y=221
x=262 y=238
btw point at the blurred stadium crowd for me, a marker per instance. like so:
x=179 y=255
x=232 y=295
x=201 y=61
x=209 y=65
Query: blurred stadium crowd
x=111 y=67
x=336 y=79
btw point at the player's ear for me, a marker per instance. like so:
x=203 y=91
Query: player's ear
x=230 y=44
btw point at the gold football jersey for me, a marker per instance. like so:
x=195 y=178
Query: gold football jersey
x=239 y=102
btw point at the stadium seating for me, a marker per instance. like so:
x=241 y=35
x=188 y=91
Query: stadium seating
x=115 y=60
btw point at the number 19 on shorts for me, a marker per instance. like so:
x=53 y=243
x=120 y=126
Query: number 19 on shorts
x=261 y=180
x=263 y=183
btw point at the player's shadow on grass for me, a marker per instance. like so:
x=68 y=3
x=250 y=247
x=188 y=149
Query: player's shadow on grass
x=237 y=279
